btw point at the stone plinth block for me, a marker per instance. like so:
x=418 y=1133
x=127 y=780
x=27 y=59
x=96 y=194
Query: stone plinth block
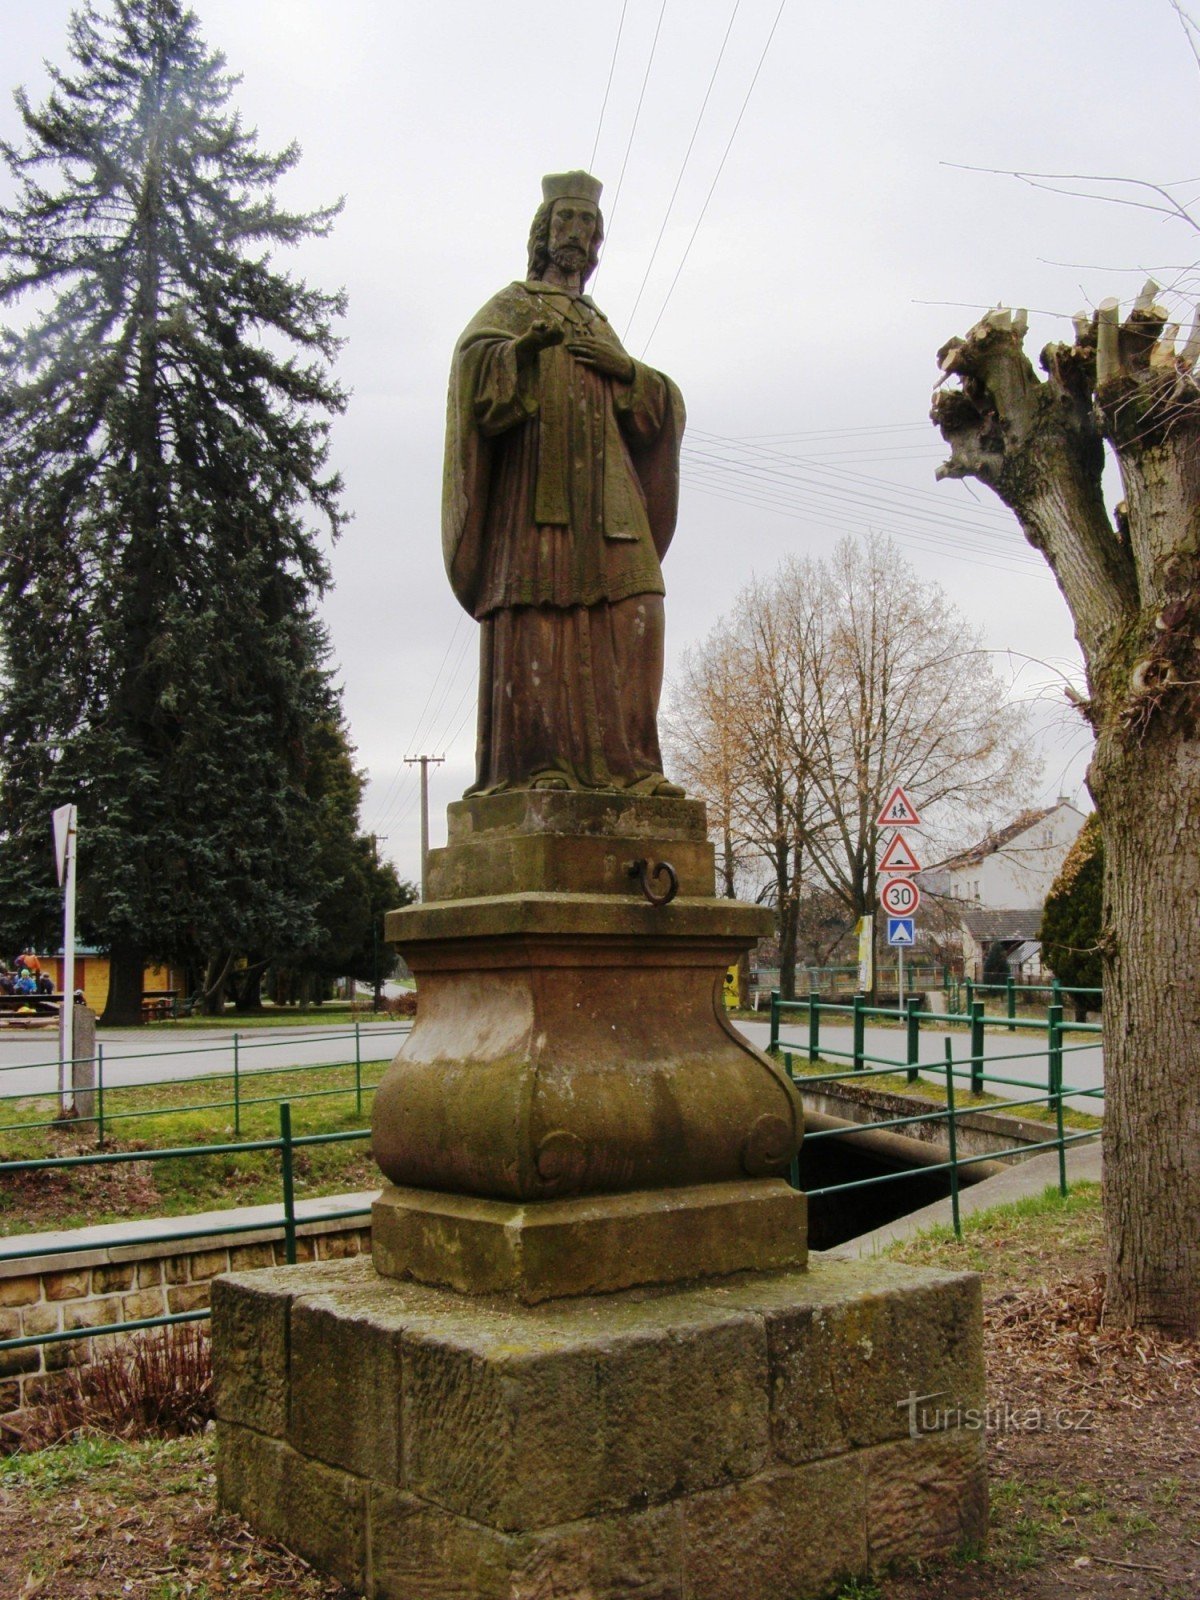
x=754 y=1439
x=540 y=840
x=591 y=1244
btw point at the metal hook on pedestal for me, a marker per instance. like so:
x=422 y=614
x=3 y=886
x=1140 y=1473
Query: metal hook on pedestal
x=642 y=871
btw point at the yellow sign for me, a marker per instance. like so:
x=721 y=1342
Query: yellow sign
x=733 y=990
x=865 y=929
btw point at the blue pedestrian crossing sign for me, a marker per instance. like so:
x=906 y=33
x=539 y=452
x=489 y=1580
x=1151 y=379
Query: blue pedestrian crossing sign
x=901 y=930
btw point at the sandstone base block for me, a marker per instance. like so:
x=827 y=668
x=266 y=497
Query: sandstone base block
x=751 y=1439
x=589 y=1245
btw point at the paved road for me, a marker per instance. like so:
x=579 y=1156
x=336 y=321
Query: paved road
x=1083 y=1063
x=29 y=1061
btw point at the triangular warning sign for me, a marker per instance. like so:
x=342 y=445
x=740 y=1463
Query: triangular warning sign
x=899 y=812
x=899 y=856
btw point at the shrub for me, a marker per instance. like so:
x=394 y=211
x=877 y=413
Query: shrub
x=157 y=1383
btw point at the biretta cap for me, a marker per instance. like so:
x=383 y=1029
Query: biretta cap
x=571 y=186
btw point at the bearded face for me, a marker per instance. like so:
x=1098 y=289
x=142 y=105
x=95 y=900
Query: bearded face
x=572 y=228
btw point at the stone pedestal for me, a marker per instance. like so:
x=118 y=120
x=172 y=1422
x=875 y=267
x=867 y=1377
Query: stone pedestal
x=752 y=1439
x=586 y=1361
x=571 y=1044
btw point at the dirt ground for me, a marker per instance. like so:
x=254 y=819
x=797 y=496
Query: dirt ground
x=1093 y=1440
x=1093 y=1434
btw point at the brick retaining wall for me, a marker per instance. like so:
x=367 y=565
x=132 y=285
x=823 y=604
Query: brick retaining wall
x=121 y=1277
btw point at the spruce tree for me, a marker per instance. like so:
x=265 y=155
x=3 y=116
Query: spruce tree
x=164 y=412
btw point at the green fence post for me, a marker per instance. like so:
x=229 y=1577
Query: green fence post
x=1012 y=1003
x=977 y=1026
x=1055 y=993
x=1054 y=1050
x=814 y=1025
x=912 y=1025
x=289 y=1189
x=357 y=1073
x=970 y=988
x=794 y=1164
x=774 y=1044
x=99 y=1093
x=1054 y=1054
x=860 y=1023
x=237 y=1097
x=952 y=1134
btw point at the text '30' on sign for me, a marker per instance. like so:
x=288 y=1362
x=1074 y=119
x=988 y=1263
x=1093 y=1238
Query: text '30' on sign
x=900 y=897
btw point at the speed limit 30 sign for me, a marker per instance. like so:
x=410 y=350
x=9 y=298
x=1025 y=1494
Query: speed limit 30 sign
x=900 y=897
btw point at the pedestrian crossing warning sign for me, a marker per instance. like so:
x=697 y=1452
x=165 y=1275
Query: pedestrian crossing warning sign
x=899 y=812
x=901 y=931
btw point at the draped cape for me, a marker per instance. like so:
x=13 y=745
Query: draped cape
x=618 y=477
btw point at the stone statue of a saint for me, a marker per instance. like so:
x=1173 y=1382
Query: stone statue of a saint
x=560 y=496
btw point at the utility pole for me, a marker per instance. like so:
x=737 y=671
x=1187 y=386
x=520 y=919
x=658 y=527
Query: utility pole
x=376 y=985
x=424 y=762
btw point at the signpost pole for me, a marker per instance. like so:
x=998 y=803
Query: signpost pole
x=66 y=820
x=900 y=974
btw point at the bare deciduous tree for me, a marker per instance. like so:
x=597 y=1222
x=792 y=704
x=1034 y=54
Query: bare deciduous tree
x=826 y=686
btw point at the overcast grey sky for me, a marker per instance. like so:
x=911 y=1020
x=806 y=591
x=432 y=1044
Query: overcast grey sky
x=839 y=248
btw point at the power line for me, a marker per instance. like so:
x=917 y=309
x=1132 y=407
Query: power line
x=611 y=69
x=842 y=433
x=414 y=739
x=686 y=157
x=996 y=515
x=800 y=487
x=636 y=115
x=838 y=495
x=716 y=178
x=452 y=680
x=870 y=524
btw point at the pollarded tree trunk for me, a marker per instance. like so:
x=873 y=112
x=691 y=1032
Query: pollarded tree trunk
x=1133 y=588
x=1149 y=800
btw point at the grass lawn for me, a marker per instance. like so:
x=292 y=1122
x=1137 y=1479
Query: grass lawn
x=190 y=1112
x=934 y=1094
x=330 y=1014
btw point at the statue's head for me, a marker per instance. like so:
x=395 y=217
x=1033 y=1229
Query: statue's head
x=567 y=228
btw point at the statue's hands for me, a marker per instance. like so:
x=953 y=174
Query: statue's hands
x=539 y=337
x=608 y=360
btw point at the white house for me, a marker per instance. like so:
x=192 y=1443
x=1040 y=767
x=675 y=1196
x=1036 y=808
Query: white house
x=1014 y=868
x=990 y=897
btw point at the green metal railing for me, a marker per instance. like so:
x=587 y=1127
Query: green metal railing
x=286 y=1227
x=238 y=1079
x=962 y=993
x=974 y=1067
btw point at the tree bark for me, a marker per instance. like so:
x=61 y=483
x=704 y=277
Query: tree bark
x=1149 y=800
x=1134 y=593
x=126 y=976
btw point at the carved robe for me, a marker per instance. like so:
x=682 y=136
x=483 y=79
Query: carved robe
x=559 y=502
